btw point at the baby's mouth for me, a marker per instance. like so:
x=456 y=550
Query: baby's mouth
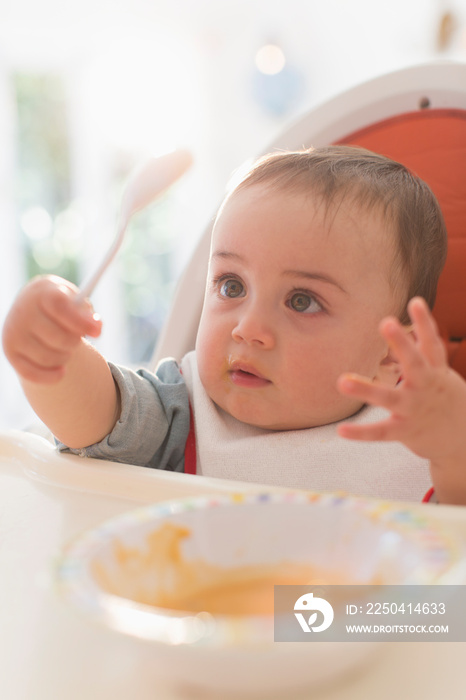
x=245 y=375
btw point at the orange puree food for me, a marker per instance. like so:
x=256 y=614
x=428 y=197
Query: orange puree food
x=253 y=596
x=160 y=576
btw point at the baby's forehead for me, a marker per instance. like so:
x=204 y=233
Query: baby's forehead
x=368 y=214
x=263 y=219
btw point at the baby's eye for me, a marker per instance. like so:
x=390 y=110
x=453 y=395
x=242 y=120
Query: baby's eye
x=231 y=288
x=304 y=303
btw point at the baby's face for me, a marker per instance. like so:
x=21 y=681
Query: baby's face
x=293 y=300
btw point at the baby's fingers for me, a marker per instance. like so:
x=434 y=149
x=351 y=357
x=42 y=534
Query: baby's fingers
x=58 y=302
x=385 y=430
x=429 y=341
x=403 y=347
x=44 y=327
x=369 y=392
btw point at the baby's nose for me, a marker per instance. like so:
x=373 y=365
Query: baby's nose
x=254 y=327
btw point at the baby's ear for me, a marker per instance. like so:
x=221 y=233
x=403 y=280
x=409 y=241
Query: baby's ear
x=389 y=372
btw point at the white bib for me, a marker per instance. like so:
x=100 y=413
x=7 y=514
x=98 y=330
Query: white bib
x=316 y=458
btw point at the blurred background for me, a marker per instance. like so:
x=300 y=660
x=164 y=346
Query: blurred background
x=89 y=88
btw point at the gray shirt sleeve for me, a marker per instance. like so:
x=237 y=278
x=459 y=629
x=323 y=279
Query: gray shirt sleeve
x=154 y=421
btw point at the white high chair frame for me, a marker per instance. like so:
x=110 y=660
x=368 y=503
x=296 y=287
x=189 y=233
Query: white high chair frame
x=435 y=85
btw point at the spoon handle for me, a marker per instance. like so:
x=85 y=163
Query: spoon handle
x=87 y=288
x=145 y=184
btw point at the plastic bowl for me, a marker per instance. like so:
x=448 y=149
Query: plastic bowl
x=131 y=574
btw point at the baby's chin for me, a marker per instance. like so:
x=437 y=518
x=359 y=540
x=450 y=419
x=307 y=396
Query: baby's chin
x=280 y=424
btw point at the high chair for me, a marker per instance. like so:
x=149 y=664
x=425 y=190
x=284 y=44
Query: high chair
x=416 y=115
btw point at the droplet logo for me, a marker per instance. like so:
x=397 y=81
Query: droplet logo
x=308 y=603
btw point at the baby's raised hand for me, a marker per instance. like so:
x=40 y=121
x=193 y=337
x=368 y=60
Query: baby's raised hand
x=44 y=327
x=428 y=407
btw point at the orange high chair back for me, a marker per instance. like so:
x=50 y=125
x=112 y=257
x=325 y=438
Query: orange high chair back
x=416 y=116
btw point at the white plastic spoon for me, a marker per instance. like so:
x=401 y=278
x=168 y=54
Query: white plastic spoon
x=144 y=185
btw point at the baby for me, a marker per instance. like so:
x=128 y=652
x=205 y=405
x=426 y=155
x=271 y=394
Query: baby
x=306 y=331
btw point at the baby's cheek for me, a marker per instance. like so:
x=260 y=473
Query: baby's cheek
x=205 y=362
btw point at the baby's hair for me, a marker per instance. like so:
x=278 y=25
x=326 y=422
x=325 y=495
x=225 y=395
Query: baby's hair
x=334 y=173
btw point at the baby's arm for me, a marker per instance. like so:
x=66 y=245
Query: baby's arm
x=428 y=407
x=67 y=382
